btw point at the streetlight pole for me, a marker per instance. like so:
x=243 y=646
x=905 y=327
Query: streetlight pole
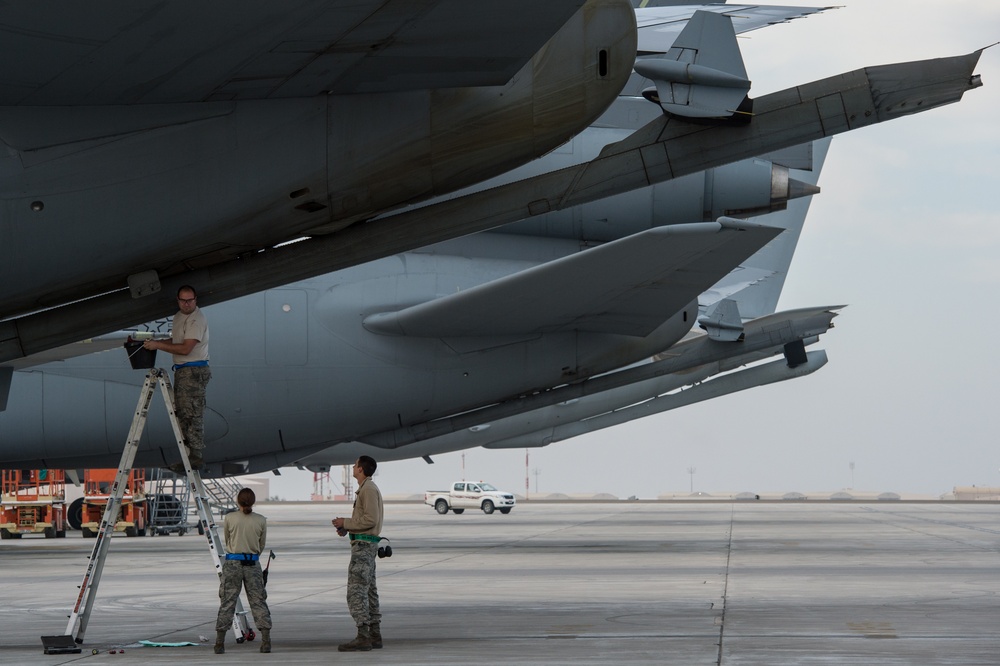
x=527 y=489
x=691 y=471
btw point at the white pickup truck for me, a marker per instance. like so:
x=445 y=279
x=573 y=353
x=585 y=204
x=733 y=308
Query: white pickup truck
x=464 y=496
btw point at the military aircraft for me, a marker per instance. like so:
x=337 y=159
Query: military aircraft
x=176 y=138
x=186 y=157
x=517 y=337
x=501 y=339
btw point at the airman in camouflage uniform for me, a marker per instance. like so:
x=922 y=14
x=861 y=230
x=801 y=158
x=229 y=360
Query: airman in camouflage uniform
x=364 y=527
x=189 y=404
x=246 y=534
x=189 y=347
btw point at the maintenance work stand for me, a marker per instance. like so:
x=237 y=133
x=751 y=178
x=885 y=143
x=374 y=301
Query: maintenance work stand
x=76 y=628
x=32 y=501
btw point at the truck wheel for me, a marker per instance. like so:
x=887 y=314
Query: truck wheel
x=505 y=511
x=4 y=533
x=130 y=531
x=75 y=514
x=88 y=533
x=441 y=506
x=50 y=532
x=487 y=507
x=459 y=511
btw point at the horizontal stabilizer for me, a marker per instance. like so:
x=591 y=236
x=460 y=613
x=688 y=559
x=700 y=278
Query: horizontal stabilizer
x=628 y=287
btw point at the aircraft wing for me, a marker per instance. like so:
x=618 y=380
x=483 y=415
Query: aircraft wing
x=659 y=26
x=116 y=52
x=627 y=287
x=664 y=149
x=82 y=348
x=101 y=343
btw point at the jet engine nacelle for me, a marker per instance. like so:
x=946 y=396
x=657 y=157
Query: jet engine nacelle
x=749 y=187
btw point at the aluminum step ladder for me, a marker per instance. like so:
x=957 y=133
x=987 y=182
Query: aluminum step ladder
x=76 y=628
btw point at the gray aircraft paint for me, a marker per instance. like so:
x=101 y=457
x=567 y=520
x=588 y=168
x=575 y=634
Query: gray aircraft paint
x=309 y=388
x=158 y=162
x=296 y=371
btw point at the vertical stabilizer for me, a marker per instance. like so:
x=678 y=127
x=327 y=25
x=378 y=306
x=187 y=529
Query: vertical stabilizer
x=756 y=284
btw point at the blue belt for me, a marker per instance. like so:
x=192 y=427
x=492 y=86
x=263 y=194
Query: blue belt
x=191 y=364
x=247 y=557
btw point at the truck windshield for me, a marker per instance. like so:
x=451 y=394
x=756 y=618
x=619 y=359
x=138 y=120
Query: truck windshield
x=487 y=487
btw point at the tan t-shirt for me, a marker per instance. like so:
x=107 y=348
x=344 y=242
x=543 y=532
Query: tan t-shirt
x=245 y=532
x=191 y=327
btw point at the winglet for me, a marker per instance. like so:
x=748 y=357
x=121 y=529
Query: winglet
x=723 y=321
x=702 y=75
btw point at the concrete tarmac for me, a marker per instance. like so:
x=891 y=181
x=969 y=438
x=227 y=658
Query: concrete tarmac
x=554 y=583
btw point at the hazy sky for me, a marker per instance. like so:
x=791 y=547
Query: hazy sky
x=907 y=232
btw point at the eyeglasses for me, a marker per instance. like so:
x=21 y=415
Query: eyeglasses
x=187 y=300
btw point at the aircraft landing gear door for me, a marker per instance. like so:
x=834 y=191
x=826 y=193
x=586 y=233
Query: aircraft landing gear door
x=286 y=330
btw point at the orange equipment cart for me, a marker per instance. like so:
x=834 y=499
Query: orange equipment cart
x=32 y=501
x=132 y=516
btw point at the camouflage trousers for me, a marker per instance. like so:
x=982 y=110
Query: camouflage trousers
x=189 y=404
x=362 y=593
x=234 y=577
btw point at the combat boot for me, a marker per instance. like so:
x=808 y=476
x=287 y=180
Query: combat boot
x=376 y=634
x=362 y=643
x=265 y=640
x=220 y=642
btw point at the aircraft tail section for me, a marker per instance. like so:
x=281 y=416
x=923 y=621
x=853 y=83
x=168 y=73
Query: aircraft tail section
x=756 y=284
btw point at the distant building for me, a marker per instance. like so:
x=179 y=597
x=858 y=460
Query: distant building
x=977 y=493
x=260 y=485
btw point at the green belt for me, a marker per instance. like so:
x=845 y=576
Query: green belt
x=370 y=538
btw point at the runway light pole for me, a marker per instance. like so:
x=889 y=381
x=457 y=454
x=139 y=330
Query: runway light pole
x=527 y=489
x=691 y=471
